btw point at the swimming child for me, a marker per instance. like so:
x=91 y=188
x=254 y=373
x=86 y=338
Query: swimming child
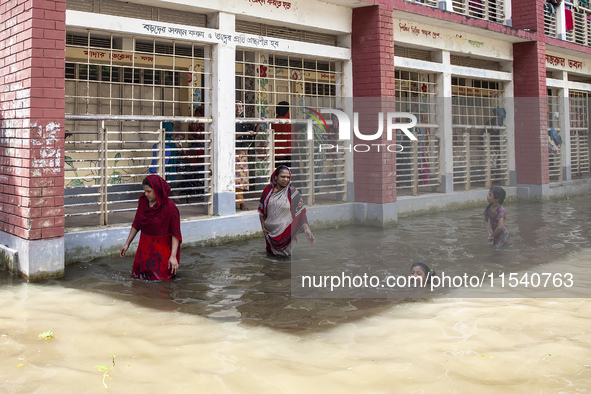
x=422 y=272
x=495 y=213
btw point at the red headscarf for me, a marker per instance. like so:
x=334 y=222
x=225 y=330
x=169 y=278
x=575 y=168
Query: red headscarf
x=161 y=219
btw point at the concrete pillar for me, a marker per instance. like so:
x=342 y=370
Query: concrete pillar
x=32 y=115
x=222 y=106
x=445 y=122
x=560 y=22
x=346 y=81
x=508 y=88
x=564 y=110
x=372 y=52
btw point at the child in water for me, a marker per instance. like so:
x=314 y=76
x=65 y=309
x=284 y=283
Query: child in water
x=422 y=272
x=495 y=213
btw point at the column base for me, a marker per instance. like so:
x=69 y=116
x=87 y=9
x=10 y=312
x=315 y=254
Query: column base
x=567 y=173
x=533 y=192
x=350 y=191
x=447 y=184
x=512 y=178
x=375 y=215
x=32 y=259
x=224 y=204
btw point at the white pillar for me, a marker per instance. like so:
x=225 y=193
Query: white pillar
x=507 y=10
x=223 y=99
x=347 y=105
x=560 y=22
x=510 y=122
x=564 y=110
x=444 y=120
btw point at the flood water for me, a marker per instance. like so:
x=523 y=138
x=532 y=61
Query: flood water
x=229 y=323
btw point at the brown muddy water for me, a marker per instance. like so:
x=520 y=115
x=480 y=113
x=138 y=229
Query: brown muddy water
x=229 y=323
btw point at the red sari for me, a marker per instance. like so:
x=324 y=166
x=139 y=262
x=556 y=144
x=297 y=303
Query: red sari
x=158 y=224
x=298 y=215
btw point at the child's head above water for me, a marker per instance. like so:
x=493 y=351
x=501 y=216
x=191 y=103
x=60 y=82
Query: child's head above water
x=422 y=271
x=498 y=193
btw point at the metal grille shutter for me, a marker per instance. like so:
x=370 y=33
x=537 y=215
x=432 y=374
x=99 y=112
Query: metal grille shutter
x=412 y=53
x=475 y=63
x=260 y=29
x=130 y=10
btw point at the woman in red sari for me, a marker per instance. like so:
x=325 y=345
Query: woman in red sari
x=158 y=253
x=282 y=213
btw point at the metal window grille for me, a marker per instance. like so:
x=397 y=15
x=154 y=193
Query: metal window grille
x=465 y=61
x=480 y=160
x=579 y=133
x=479 y=139
x=412 y=53
x=104 y=167
x=554 y=158
x=550 y=21
x=581 y=34
x=133 y=10
x=119 y=90
x=417 y=165
x=284 y=89
x=491 y=10
x=152 y=79
x=260 y=29
x=428 y=3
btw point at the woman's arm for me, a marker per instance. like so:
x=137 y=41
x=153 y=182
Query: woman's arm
x=132 y=233
x=262 y=219
x=173 y=264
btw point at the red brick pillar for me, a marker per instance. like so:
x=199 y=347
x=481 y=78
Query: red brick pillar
x=372 y=52
x=531 y=111
x=32 y=112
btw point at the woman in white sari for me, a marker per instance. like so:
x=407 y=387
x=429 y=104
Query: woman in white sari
x=282 y=213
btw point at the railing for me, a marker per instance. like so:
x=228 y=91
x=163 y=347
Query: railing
x=428 y=3
x=579 y=150
x=550 y=21
x=480 y=159
x=107 y=157
x=555 y=153
x=581 y=32
x=558 y=24
x=491 y=10
x=317 y=166
x=417 y=165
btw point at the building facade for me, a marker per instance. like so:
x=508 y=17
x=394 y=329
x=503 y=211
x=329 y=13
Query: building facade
x=97 y=94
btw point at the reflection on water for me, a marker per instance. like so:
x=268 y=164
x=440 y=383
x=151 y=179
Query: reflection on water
x=228 y=323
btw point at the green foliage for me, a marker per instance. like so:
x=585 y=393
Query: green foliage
x=46 y=335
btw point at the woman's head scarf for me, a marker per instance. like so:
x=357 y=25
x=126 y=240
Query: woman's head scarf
x=161 y=219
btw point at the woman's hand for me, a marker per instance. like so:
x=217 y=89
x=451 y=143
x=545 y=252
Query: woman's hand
x=173 y=264
x=310 y=236
x=123 y=250
x=266 y=232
